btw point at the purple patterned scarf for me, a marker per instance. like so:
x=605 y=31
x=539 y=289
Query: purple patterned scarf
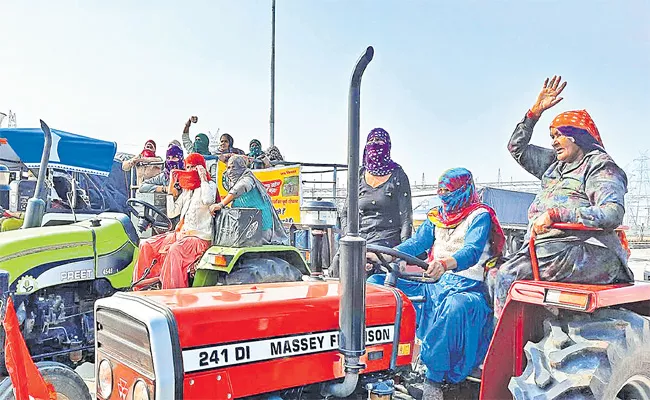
x=376 y=155
x=174 y=151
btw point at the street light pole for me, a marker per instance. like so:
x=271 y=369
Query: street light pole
x=272 y=117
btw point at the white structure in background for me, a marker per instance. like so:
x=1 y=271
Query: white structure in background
x=637 y=200
x=214 y=141
x=11 y=119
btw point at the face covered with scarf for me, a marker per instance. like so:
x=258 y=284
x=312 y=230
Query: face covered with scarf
x=174 y=159
x=149 y=149
x=459 y=199
x=189 y=179
x=255 y=147
x=274 y=154
x=236 y=167
x=376 y=155
x=573 y=131
x=457 y=193
x=202 y=144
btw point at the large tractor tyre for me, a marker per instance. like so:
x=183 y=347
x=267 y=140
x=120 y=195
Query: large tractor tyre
x=67 y=383
x=604 y=355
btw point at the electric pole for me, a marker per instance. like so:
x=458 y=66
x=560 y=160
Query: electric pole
x=272 y=116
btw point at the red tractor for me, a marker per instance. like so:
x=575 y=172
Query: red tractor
x=323 y=338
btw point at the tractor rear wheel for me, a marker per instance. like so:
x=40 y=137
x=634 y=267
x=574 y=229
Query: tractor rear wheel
x=604 y=355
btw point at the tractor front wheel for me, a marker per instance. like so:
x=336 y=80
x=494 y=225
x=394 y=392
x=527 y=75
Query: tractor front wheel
x=604 y=355
x=67 y=383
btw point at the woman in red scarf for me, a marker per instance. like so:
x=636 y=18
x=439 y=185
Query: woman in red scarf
x=580 y=184
x=168 y=256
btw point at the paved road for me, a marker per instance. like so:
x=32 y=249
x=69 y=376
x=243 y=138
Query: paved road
x=639 y=261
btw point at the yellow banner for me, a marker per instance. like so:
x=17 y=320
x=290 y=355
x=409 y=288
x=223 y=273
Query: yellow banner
x=281 y=183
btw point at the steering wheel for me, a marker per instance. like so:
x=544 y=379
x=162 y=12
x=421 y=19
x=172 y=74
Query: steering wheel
x=394 y=268
x=147 y=217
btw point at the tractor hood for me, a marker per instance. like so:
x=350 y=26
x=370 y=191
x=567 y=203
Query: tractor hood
x=266 y=310
x=43 y=249
x=259 y=331
x=40 y=257
x=34 y=239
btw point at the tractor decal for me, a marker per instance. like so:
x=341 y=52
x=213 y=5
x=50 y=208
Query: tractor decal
x=26 y=284
x=54 y=273
x=116 y=261
x=223 y=355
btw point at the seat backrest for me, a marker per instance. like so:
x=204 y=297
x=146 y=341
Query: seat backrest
x=237 y=227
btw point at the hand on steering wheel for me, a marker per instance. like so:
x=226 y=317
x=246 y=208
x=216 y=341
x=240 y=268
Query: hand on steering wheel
x=412 y=276
x=148 y=215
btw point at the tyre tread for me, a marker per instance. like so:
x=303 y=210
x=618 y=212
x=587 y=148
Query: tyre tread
x=579 y=354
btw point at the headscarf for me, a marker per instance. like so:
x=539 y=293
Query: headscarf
x=146 y=152
x=255 y=147
x=202 y=144
x=274 y=154
x=190 y=180
x=459 y=202
x=174 y=143
x=173 y=151
x=237 y=166
x=579 y=126
x=376 y=157
x=196 y=159
x=238 y=169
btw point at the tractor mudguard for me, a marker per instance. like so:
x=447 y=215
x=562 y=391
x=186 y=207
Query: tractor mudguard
x=528 y=305
x=218 y=259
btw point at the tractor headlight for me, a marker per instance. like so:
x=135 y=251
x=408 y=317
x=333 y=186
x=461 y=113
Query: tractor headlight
x=105 y=378
x=140 y=391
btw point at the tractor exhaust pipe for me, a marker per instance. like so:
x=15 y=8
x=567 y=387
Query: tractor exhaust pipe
x=36 y=205
x=352 y=306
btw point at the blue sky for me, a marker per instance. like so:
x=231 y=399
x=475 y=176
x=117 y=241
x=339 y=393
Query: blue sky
x=450 y=80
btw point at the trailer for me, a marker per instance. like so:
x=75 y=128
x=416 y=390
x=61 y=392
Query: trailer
x=511 y=208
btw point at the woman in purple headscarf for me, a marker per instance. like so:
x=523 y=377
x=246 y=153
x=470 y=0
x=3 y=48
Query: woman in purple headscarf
x=160 y=182
x=384 y=195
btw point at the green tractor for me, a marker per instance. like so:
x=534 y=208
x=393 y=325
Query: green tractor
x=55 y=273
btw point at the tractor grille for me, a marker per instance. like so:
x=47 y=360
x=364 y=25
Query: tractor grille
x=124 y=338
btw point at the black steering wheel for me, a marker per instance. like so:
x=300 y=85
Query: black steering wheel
x=147 y=217
x=393 y=268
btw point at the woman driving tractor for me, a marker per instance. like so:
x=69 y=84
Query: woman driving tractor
x=581 y=184
x=455 y=322
x=168 y=256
